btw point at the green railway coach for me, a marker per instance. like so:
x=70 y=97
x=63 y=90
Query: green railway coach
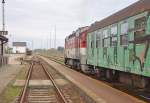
x=119 y=44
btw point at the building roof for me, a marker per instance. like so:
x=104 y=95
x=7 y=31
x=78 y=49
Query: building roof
x=134 y=9
x=21 y=44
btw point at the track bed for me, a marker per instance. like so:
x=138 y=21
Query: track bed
x=58 y=90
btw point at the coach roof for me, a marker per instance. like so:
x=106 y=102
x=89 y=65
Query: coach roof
x=129 y=11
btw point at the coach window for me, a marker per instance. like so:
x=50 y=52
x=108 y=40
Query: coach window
x=98 y=39
x=88 y=43
x=114 y=36
x=92 y=40
x=89 y=40
x=124 y=34
x=105 y=38
x=140 y=27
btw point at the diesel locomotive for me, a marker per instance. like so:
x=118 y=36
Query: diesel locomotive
x=75 y=49
x=116 y=47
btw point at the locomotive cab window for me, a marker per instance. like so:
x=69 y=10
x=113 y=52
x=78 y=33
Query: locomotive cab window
x=105 y=38
x=140 y=27
x=124 y=34
x=114 y=36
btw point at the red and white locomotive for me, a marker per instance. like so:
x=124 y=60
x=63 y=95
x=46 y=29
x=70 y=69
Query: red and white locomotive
x=75 y=49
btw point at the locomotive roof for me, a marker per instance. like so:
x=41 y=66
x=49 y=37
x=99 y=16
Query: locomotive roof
x=131 y=10
x=81 y=29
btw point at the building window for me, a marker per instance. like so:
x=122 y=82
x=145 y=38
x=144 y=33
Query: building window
x=140 y=27
x=105 y=38
x=124 y=34
x=98 y=39
x=114 y=36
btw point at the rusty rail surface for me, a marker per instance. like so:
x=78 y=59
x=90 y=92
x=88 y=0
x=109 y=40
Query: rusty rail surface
x=49 y=75
x=22 y=96
x=59 y=92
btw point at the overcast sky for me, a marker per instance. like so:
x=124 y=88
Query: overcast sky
x=34 y=20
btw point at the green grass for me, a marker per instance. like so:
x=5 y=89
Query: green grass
x=53 y=55
x=11 y=92
x=22 y=74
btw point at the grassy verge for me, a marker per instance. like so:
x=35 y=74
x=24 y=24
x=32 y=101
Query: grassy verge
x=54 y=58
x=11 y=92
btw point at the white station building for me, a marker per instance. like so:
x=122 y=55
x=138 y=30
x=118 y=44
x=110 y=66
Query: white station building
x=19 y=47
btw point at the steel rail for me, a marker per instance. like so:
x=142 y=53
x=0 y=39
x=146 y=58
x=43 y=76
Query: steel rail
x=22 y=97
x=59 y=92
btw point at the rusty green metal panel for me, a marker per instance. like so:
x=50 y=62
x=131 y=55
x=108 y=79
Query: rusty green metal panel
x=133 y=58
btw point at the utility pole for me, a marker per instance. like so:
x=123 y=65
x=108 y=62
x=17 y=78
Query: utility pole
x=3 y=14
x=50 y=41
x=55 y=39
x=47 y=42
x=47 y=45
x=41 y=43
x=3 y=27
x=32 y=45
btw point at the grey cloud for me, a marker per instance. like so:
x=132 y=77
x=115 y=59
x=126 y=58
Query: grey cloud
x=35 y=19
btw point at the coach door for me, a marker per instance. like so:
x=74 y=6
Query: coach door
x=140 y=43
x=90 y=50
x=123 y=48
x=114 y=42
x=106 y=44
x=99 y=48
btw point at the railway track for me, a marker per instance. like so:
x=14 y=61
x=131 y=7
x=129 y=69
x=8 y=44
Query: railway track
x=40 y=94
